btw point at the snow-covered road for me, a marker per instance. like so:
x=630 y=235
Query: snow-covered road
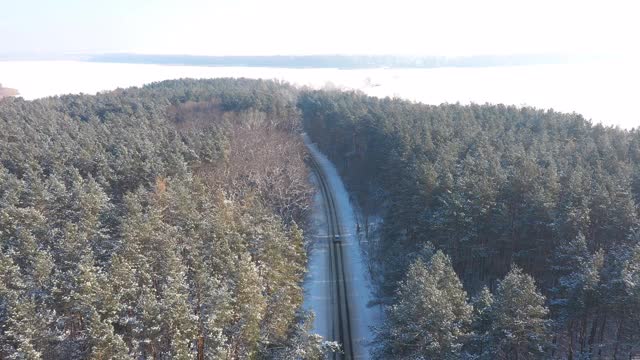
x=320 y=282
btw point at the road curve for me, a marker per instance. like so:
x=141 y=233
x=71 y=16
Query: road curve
x=341 y=331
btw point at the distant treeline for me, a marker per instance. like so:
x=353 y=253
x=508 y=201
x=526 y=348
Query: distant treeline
x=342 y=61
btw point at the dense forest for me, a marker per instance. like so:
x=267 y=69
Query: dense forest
x=508 y=232
x=162 y=222
x=166 y=222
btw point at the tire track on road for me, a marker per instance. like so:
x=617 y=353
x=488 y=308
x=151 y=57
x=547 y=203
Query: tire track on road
x=339 y=294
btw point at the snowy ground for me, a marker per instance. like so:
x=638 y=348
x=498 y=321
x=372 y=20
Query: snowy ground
x=318 y=280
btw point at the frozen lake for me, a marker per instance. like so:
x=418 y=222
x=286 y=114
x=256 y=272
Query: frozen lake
x=603 y=92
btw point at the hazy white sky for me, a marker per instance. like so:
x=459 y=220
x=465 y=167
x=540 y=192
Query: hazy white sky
x=261 y=27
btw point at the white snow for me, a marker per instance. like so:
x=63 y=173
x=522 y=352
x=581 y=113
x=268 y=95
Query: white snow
x=317 y=283
x=602 y=91
x=359 y=281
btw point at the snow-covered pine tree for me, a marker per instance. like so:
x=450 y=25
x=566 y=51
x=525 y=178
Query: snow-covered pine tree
x=249 y=309
x=178 y=321
x=302 y=343
x=519 y=325
x=431 y=317
x=576 y=300
x=480 y=339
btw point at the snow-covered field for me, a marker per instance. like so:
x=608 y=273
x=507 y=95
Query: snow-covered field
x=318 y=279
x=604 y=92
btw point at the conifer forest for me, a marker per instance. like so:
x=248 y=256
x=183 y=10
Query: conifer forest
x=172 y=221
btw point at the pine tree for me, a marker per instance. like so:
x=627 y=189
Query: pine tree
x=280 y=258
x=19 y=326
x=480 y=343
x=178 y=321
x=24 y=330
x=519 y=325
x=577 y=295
x=631 y=298
x=250 y=306
x=302 y=344
x=431 y=316
x=105 y=344
x=92 y=298
x=148 y=327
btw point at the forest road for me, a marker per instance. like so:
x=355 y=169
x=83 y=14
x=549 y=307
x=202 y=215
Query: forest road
x=341 y=328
